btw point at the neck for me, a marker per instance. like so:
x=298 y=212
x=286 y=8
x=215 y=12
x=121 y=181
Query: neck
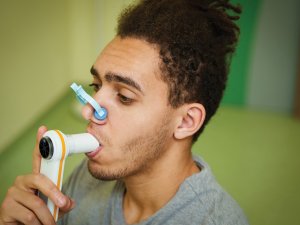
x=149 y=191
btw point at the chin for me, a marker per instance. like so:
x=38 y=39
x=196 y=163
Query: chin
x=101 y=173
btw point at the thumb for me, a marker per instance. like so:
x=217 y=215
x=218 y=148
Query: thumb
x=36 y=156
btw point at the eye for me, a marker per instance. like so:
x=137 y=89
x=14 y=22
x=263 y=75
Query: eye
x=125 y=100
x=95 y=86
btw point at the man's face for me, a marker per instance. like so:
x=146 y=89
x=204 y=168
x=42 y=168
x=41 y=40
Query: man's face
x=139 y=126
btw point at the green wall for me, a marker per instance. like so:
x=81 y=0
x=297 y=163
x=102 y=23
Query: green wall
x=236 y=91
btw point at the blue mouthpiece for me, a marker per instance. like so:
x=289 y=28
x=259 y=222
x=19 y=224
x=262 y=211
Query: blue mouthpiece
x=100 y=113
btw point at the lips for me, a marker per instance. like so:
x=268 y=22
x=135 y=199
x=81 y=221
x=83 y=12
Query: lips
x=93 y=153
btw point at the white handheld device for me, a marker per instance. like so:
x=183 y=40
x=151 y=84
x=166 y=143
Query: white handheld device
x=54 y=148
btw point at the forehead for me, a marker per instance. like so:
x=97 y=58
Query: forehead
x=131 y=57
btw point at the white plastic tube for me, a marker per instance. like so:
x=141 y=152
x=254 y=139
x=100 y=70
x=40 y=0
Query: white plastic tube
x=54 y=148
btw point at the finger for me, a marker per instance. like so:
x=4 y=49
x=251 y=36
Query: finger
x=36 y=159
x=34 y=204
x=24 y=215
x=40 y=182
x=67 y=208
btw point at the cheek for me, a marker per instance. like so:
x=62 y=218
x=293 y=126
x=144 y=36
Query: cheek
x=125 y=127
x=130 y=127
x=142 y=124
x=141 y=119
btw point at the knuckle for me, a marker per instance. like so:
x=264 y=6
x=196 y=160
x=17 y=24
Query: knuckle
x=37 y=178
x=52 y=188
x=10 y=191
x=18 y=180
x=39 y=203
x=29 y=218
x=6 y=204
x=48 y=186
x=41 y=177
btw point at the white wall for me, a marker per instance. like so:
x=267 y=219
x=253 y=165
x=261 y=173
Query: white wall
x=44 y=46
x=106 y=14
x=33 y=61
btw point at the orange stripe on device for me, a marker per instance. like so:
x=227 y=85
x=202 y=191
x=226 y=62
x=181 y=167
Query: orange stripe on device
x=63 y=155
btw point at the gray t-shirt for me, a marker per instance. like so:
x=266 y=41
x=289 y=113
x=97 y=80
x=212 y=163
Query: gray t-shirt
x=199 y=200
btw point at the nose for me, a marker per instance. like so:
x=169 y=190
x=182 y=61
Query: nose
x=88 y=114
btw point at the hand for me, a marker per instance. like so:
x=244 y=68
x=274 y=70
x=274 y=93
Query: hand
x=22 y=205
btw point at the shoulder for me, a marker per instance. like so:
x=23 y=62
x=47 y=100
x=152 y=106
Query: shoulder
x=201 y=200
x=215 y=204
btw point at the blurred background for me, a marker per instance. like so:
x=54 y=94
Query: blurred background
x=252 y=144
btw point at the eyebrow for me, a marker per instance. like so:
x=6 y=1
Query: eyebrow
x=113 y=77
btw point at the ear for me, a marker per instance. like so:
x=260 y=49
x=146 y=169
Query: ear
x=190 y=121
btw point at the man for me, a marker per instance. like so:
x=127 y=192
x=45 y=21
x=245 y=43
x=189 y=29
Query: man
x=161 y=79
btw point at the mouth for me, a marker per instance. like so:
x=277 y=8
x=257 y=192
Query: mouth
x=93 y=154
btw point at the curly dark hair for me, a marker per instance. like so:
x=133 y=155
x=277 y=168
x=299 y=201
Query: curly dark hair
x=196 y=39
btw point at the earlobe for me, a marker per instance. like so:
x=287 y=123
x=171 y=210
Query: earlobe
x=191 y=120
